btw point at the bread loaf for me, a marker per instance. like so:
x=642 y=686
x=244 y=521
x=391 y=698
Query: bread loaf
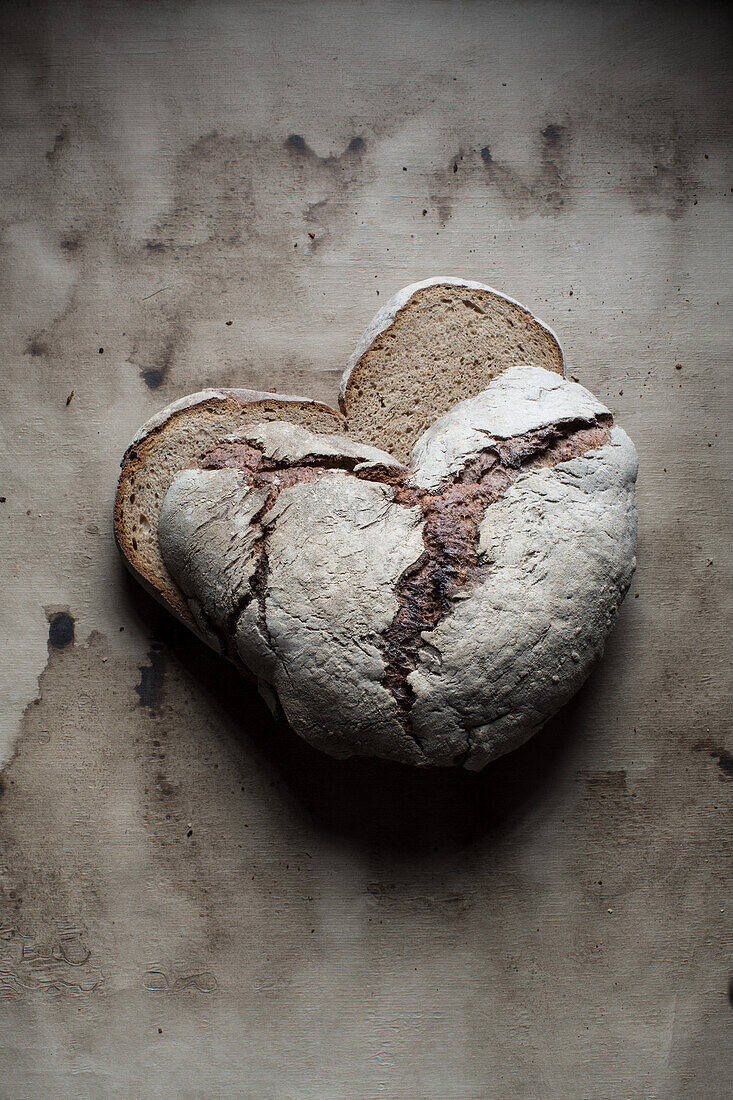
x=432 y=613
x=424 y=578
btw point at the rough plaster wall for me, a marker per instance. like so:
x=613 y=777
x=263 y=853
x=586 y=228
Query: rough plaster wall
x=192 y=903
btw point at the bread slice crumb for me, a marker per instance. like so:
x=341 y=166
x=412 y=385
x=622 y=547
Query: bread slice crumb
x=434 y=344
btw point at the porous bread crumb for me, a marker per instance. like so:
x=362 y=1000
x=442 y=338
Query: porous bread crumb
x=444 y=345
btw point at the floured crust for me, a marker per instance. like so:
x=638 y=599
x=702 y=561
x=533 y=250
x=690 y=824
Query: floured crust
x=520 y=400
x=166 y=444
x=216 y=410
x=386 y=607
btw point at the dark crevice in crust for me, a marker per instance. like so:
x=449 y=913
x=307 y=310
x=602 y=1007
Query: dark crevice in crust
x=427 y=590
x=218 y=458
x=271 y=475
x=257 y=591
x=258 y=588
x=263 y=469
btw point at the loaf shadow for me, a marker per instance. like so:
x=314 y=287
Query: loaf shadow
x=372 y=802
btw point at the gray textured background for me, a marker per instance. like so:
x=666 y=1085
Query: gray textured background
x=191 y=903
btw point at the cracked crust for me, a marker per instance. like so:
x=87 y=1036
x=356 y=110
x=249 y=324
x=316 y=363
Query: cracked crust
x=494 y=328
x=453 y=514
x=559 y=551
x=167 y=444
x=276 y=550
x=359 y=591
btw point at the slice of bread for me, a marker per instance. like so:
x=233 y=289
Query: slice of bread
x=433 y=344
x=167 y=444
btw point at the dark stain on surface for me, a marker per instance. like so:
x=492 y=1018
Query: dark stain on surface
x=296 y=143
x=444 y=209
x=550 y=186
x=725 y=761
x=37 y=347
x=722 y=755
x=72 y=243
x=553 y=135
x=60 y=629
x=163 y=786
x=654 y=163
x=213 y=204
x=153 y=377
x=59 y=142
x=540 y=186
x=658 y=149
x=665 y=186
x=151 y=679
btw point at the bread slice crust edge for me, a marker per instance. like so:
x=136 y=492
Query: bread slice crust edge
x=227 y=410
x=387 y=315
x=435 y=343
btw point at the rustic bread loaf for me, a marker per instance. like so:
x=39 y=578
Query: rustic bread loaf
x=435 y=343
x=433 y=614
x=168 y=443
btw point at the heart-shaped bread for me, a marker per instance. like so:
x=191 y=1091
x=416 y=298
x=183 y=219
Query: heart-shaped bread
x=431 y=345
x=434 y=613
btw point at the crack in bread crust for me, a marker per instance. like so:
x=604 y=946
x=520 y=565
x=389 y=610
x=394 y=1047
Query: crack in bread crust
x=427 y=591
x=452 y=514
x=272 y=475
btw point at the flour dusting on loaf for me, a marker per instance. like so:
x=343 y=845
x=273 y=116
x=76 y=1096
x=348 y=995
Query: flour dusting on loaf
x=433 y=614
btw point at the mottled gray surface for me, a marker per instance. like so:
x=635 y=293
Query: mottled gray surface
x=193 y=903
